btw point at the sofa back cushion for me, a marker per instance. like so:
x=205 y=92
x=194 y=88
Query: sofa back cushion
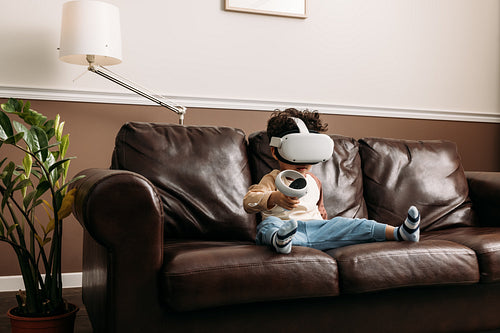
x=200 y=172
x=340 y=176
x=427 y=174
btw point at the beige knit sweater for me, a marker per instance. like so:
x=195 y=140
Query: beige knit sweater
x=310 y=207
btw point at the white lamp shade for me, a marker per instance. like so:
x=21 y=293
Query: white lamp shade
x=90 y=28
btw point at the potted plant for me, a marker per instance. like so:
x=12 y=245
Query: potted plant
x=36 y=184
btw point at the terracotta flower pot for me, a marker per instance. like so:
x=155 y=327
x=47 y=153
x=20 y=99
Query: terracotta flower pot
x=63 y=323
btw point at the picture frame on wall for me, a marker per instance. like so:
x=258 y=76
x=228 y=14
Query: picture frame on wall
x=289 y=8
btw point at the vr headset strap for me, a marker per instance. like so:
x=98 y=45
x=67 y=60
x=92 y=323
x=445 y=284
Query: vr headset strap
x=300 y=124
x=276 y=141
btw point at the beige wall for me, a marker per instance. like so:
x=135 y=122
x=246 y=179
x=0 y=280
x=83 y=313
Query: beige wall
x=422 y=58
x=93 y=127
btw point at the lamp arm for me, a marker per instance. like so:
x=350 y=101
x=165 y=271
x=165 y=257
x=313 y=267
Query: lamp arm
x=106 y=73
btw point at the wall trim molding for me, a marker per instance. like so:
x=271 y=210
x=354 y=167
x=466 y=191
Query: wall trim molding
x=245 y=104
x=15 y=282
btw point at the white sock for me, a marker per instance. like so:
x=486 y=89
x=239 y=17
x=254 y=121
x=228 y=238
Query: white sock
x=410 y=229
x=282 y=239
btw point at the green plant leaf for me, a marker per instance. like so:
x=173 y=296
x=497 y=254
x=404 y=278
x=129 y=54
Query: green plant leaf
x=43 y=186
x=27 y=164
x=65 y=172
x=64 y=145
x=30 y=117
x=41 y=241
x=13 y=105
x=70 y=182
x=48 y=125
x=11 y=229
x=14 y=139
x=32 y=141
x=28 y=198
x=35 y=118
x=59 y=130
x=59 y=163
x=36 y=173
x=6 y=107
x=22 y=184
x=54 y=145
x=20 y=128
x=58 y=200
x=6 y=130
x=2 y=161
x=42 y=140
x=57 y=121
x=50 y=226
x=54 y=174
x=26 y=106
x=5 y=198
x=49 y=128
x=7 y=173
x=50 y=133
x=23 y=189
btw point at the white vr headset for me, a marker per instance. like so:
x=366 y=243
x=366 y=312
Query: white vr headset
x=303 y=147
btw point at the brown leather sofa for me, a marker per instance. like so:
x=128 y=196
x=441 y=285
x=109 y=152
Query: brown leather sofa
x=169 y=248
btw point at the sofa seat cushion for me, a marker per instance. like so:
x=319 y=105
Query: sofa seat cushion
x=386 y=265
x=202 y=274
x=484 y=241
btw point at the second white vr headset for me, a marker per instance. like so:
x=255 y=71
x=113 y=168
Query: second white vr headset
x=303 y=147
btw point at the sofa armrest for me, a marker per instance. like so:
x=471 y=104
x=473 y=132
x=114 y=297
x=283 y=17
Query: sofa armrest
x=122 y=216
x=484 y=191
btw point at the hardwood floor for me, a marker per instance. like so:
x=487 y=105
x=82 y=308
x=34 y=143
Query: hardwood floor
x=72 y=295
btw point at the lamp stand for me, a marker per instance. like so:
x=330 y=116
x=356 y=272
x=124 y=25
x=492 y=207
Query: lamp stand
x=106 y=73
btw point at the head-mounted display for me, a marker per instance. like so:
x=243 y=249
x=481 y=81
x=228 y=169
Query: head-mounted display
x=303 y=147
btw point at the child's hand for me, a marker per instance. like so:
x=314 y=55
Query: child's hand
x=278 y=198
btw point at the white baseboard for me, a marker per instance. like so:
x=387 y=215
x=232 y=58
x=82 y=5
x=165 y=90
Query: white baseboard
x=15 y=282
x=247 y=104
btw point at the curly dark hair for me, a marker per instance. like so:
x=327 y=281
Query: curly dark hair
x=280 y=123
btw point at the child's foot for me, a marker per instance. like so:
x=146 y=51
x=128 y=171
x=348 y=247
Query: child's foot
x=282 y=239
x=410 y=229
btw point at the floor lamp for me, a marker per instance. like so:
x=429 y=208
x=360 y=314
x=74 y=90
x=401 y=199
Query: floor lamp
x=90 y=35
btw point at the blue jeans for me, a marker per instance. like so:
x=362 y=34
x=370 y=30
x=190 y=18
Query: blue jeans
x=325 y=234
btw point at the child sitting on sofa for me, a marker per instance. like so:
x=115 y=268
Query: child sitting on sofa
x=304 y=222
